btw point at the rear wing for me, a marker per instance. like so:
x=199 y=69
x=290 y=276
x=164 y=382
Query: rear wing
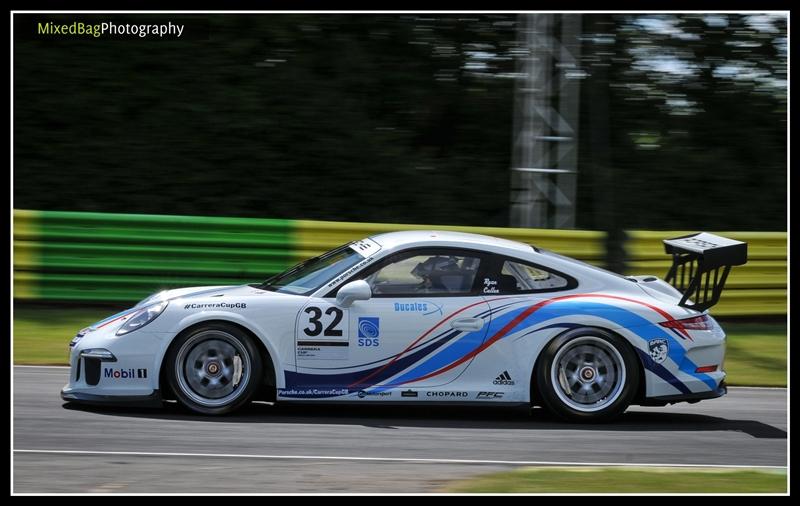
x=697 y=260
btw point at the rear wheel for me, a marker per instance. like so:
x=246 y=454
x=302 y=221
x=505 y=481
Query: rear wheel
x=214 y=369
x=587 y=375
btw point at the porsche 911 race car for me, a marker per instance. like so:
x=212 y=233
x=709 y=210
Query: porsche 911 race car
x=424 y=317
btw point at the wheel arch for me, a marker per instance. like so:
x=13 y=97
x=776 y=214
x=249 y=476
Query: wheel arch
x=533 y=392
x=269 y=376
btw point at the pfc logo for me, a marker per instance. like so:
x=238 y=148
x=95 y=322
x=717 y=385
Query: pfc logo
x=490 y=395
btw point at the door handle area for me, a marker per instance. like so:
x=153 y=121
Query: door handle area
x=472 y=324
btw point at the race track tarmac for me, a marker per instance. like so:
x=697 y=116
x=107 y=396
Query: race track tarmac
x=60 y=447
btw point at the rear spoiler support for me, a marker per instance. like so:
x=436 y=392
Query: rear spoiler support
x=697 y=260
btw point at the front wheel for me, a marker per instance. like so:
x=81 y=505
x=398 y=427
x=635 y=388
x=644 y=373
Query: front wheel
x=587 y=375
x=214 y=369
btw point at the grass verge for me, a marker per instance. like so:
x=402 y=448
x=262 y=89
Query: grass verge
x=756 y=353
x=622 y=480
x=42 y=333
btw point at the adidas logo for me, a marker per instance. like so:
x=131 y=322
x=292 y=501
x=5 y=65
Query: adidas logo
x=503 y=379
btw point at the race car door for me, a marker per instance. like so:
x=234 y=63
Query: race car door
x=421 y=328
x=511 y=287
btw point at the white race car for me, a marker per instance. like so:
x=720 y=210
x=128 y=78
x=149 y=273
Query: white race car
x=424 y=317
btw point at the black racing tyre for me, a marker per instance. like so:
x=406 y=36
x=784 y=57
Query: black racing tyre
x=587 y=375
x=214 y=369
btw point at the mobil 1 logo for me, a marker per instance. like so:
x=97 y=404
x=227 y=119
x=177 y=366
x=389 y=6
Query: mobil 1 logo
x=116 y=374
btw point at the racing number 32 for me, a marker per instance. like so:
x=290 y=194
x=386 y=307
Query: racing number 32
x=316 y=325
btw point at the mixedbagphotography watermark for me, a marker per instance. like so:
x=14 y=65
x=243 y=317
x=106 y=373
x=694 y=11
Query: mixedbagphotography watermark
x=92 y=27
x=109 y=28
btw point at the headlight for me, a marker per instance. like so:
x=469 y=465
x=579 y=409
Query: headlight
x=142 y=317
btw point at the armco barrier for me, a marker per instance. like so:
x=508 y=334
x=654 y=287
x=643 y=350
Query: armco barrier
x=125 y=257
x=118 y=257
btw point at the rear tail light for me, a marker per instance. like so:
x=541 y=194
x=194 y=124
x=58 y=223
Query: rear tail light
x=706 y=368
x=702 y=322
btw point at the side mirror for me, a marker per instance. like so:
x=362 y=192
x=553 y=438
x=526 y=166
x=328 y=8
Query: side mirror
x=353 y=291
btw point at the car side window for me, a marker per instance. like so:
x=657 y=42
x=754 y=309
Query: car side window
x=517 y=277
x=434 y=273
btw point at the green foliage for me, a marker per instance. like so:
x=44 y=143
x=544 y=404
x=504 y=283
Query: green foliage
x=395 y=118
x=697 y=122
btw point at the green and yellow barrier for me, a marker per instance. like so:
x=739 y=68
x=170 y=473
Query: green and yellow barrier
x=124 y=257
x=102 y=257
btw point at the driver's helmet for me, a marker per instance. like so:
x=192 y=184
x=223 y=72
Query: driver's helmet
x=435 y=265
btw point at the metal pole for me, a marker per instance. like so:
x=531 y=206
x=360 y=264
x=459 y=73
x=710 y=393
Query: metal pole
x=544 y=156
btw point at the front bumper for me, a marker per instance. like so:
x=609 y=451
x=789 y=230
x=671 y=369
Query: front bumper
x=141 y=401
x=106 y=369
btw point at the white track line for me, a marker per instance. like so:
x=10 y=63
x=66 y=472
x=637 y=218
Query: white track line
x=383 y=459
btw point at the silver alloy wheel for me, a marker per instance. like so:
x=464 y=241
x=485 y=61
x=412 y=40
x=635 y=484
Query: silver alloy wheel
x=588 y=374
x=212 y=368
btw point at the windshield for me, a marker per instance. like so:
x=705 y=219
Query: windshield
x=309 y=275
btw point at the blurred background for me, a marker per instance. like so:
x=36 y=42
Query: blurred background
x=229 y=155
x=671 y=121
